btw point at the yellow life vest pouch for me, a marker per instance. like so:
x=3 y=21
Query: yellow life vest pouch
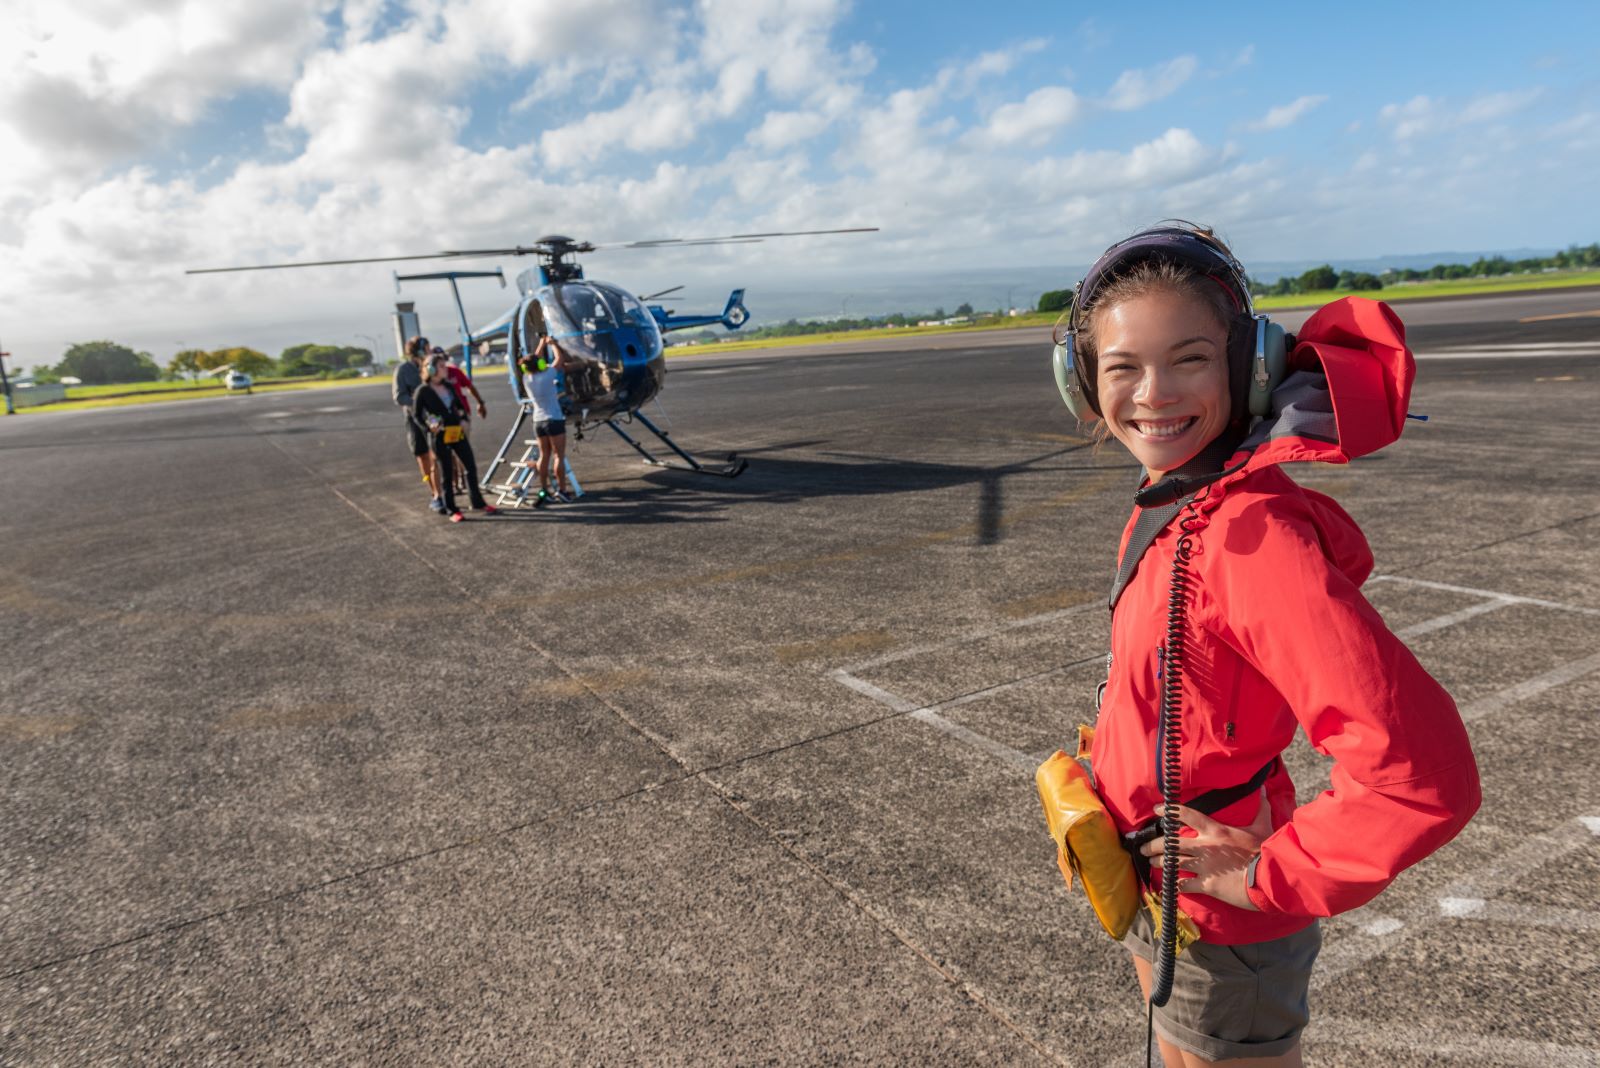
x=452 y=435
x=1087 y=843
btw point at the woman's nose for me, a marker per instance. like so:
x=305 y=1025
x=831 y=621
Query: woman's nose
x=1156 y=389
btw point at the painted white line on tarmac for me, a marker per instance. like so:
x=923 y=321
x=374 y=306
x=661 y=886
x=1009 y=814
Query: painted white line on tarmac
x=1494 y=594
x=1428 y=626
x=1541 y=353
x=1446 y=1047
x=883 y=697
x=1521 y=346
x=1591 y=822
x=926 y=714
x=999 y=688
x=1348 y=944
x=1380 y=925
x=1496 y=702
x=977 y=634
x=988 y=745
x=1476 y=908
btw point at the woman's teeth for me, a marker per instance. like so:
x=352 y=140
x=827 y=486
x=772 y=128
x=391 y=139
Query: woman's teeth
x=1165 y=429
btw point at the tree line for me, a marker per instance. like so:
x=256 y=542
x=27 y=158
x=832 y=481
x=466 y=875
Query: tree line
x=105 y=362
x=796 y=328
x=1324 y=278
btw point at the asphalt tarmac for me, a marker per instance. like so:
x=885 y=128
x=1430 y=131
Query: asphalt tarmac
x=733 y=772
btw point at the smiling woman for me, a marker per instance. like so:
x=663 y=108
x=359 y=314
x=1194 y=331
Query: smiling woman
x=1237 y=618
x=1159 y=338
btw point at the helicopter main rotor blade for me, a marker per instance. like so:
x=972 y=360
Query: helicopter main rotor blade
x=461 y=254
x=734 y=238
x=663 y=293
x=565 y=249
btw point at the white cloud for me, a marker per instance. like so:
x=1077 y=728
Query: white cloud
x=1418 y=116
x=962 y=79
x=1034 y=119
x=1286 y=114
x=1422 y=116
x=780 y=129
x=1492 y=106
x=1175 y=157
x=1138 y=88
x=650 y=120
x=85 y=85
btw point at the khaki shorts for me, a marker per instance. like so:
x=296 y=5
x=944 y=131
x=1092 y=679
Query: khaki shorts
x=1235 y=1001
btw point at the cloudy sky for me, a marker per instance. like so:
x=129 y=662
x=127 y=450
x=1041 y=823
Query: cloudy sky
x=141 y=137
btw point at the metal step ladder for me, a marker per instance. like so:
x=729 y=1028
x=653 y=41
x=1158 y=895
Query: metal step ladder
x=520 y=487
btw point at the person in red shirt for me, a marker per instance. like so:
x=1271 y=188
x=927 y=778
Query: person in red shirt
x=1238 y=613
x=462 y=383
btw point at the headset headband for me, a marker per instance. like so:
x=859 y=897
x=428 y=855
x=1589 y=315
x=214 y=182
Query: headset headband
x=1162 y=242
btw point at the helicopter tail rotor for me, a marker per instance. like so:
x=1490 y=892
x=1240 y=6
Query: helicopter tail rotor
x=735 y=314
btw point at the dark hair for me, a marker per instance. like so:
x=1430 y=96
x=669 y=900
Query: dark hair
x=416 y=346
x=1142 y=279
x=1172 y=272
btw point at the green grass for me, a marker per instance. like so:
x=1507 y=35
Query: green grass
x=90 y=392
x=1510 y=283
x=198 y=392
x=1516 y=283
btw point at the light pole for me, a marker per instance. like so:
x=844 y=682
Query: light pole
x=1009 y=290
x=372 y=357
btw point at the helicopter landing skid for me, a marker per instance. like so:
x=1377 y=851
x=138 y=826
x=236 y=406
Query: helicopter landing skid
x=733 y=467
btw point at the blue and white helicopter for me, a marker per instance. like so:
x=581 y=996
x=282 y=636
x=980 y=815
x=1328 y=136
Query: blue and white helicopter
x=611 y=337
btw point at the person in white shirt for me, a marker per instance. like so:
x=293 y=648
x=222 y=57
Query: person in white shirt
x=539 y=370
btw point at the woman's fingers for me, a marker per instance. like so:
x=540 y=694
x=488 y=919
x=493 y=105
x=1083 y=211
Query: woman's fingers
x=1199 y=821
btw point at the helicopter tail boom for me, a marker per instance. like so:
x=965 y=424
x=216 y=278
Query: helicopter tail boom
x=734 y=315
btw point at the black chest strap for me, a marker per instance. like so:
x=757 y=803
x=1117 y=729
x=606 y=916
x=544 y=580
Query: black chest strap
x=1152 y=521
x=1210 y=803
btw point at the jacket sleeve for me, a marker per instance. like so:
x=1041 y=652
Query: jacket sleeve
x=1404 y=780
x=404 y=389
x=419 y=407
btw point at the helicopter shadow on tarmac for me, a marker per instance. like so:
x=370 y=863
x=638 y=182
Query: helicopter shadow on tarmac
x=671 y=497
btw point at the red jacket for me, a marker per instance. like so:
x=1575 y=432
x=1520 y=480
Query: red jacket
x=1279 y=637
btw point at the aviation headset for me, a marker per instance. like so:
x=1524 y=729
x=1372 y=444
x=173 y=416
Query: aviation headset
x=1257 y=350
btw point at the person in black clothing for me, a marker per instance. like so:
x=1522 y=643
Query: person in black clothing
x=408 y=378
x=440 y=408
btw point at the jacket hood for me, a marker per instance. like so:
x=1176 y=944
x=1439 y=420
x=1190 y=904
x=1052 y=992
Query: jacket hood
x=1346 y=392
x=1345 y=396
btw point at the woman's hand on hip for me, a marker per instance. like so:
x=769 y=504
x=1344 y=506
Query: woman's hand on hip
x=1216 y=855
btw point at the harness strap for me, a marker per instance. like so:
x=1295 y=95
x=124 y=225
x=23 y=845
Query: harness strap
x=1209 y=803
x=1152 y=521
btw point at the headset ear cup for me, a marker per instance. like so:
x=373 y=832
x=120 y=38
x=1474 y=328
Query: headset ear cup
x=1070 y=385
x=1269 y=364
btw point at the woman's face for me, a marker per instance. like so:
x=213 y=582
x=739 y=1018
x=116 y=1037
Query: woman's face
x=436 y=371
x=1162 y=377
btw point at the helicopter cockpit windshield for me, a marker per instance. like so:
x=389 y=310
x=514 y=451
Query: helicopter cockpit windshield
x=602 y=322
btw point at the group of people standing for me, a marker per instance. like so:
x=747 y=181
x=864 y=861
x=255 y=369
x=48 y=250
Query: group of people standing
x=433 y=392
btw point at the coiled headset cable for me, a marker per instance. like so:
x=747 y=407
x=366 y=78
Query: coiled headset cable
x=1169 y=764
